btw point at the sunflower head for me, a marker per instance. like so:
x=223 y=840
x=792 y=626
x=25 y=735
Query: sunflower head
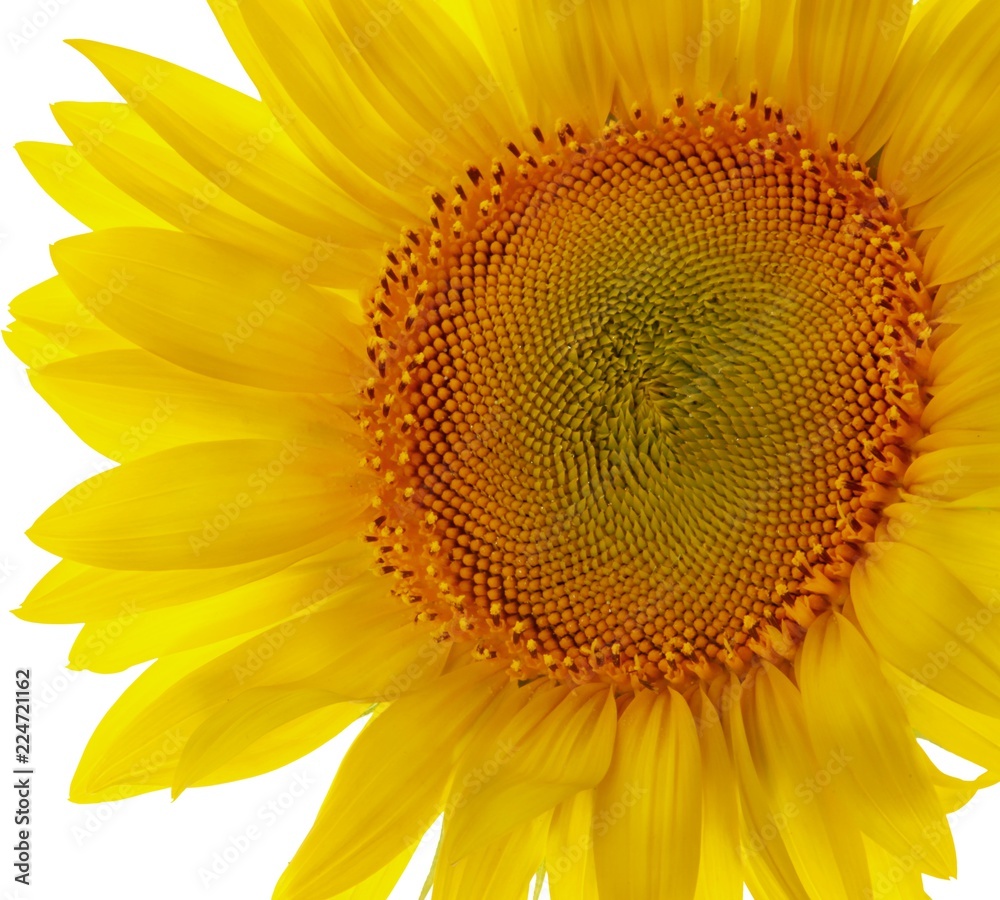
x=598 y=396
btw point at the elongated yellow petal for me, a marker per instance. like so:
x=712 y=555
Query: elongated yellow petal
x=71 y=179
x=894 y=878
x=353 y=178
x=244 y=720
x=213 y=309
x=845 y=51
x=568 y=60
x=851 y=710
x=380 y=885
x=217 y=129
x=720 y=871
x=930 y=23
x=130 y=403
x=150 y=173
x=107 y=738
x=653 y=792
x=956 y=728
x=965 y=541
x=569 y=859
x=204 y=505
x=955 y=472
x=764 y=50
x=768 y=867
x=408 y=106
x=135 y=635
x=943 y=642
x=308 y=653
x=388 y=789
x=33 y=346
x=63 y=325
x=967 y=400
x=73 y=592
x=547 y=753
x=657 y=48
x=944 y=97
x=804 y=795
x=501 y=870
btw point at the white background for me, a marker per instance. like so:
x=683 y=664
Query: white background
x=149 y=846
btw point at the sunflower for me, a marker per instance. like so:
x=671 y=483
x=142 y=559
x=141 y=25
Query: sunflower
x=600 y=397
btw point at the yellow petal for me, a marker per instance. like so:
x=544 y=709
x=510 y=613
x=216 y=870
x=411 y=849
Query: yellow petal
x=213 y=309
x=965 y=541
x=307 y=653
x=391 y=785
x=930 y=23
x=953 y=85
x=244 y=720
x=204 y=505
x=72 y=592
x=892 y=877
x=967 y=401
x=569 y=859
x=130 y=403
x=845 y=50
x=135 y=635
x=558 y=745
x=150 y=173
x=380 y=885
x=769 y=870
x=653 y=790
x=65 y=327
x=955 y=472
x=446 y=115
x=132 y=704
x=69 y=178
x=217 y=129
x=501 y=870
x=765 y=47
x=924 y=621
x=720 y=871
x=956 y=728
x=658 y=48
x=823 y=843
x=567 y=60
x=851 y=710
x=367 y=190
x=33 y=346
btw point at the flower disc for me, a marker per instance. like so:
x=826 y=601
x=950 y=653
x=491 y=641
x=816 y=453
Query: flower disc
x=648 y=396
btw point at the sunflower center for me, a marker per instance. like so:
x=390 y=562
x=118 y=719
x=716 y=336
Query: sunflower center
x=641 y=400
